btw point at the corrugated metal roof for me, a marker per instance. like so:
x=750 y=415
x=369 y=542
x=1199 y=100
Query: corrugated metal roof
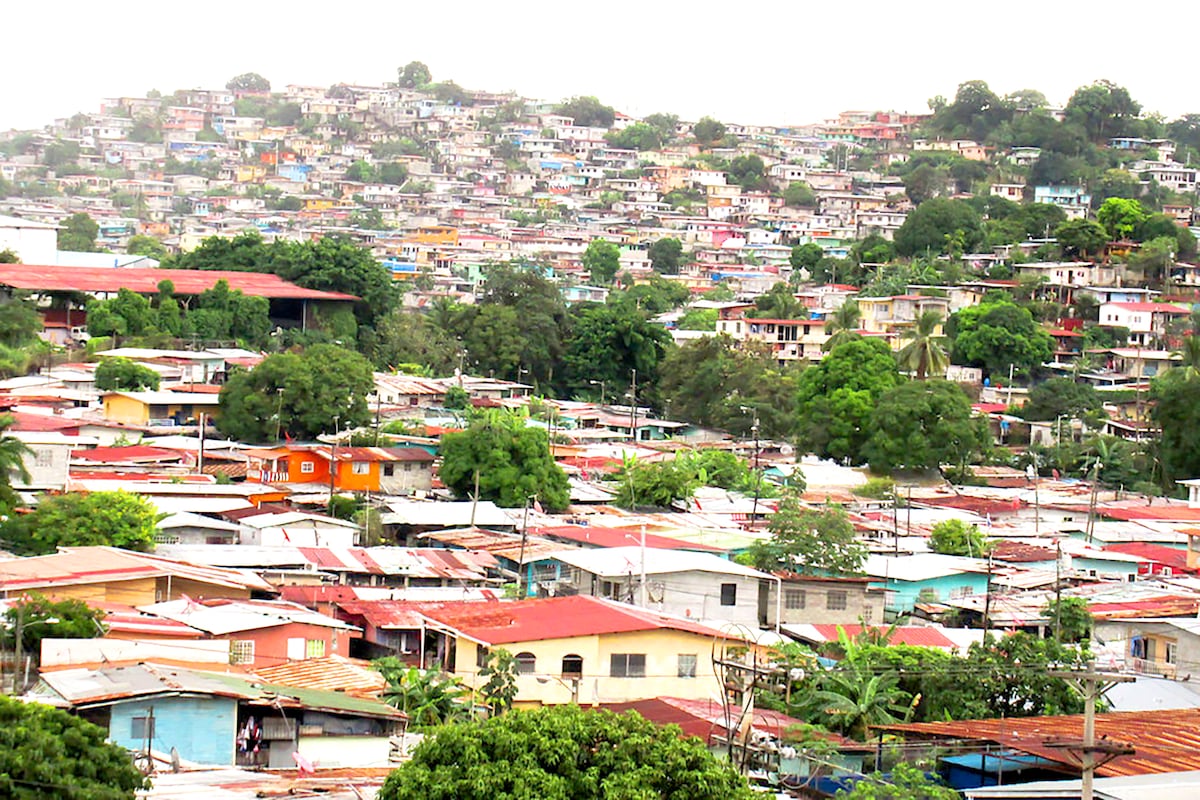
x=331 y=674
x=146 y=281
x=1166 y=741
x=88 y=565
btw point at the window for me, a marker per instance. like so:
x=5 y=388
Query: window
x=572 y=666
x=1171 y=652
x=835 y=601
x=729 y=594
x=314 y=648
x=687 y=665
x=387 y=470
x=526 y=663
x=307 y=468
x=141 y=727
x=43 y=457
x=241 y=651
x=627 y=665
x=360 y=467
x=793 y=599
x=482 y=654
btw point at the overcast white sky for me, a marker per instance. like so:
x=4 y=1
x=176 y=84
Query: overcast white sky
x=765 y=61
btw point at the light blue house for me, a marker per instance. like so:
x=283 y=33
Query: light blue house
x=925 y=577
x=224 y=719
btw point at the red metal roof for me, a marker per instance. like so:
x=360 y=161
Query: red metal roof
x=1165 y=308
x=145 y=281
x=1019 y=552
x=553 y=618
x=915 y=635
x=24 y=421
x=1159 y=553
x=1164 y=512
x=135 y=452
x=1166 y=741
x=598 y=536
x=706 y=718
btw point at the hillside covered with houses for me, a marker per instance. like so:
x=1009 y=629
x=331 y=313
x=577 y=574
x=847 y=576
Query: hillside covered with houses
x=864 y=450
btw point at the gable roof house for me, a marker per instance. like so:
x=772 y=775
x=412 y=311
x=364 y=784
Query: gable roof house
x=701 y=586
x=111 y=575
x=579 y=648
x=224 y=719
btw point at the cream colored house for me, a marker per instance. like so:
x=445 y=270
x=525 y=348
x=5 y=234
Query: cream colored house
x=579 y=648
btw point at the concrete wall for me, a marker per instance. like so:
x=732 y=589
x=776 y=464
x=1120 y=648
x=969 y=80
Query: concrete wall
x=696 y=595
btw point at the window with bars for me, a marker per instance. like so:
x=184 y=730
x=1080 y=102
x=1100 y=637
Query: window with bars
x=835 y=600
x=241 y=651
x=314 y=648
x=793 y=599
x=687 y=665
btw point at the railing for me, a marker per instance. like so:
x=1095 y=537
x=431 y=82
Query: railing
x=1148 y=667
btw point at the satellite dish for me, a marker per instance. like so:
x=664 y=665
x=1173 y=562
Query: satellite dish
x=786 y=449
x=176 y=764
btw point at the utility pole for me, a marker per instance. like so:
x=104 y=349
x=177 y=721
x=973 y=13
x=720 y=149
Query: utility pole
x=200 y=460
x=521 y=557
x=642 y=589
x=1058 y=590
x=633 y=407
x=333 y=459
x=1091 y=685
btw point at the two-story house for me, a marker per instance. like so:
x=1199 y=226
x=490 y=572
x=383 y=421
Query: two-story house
x=1147 y=322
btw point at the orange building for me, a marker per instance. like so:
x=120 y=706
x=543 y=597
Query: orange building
x=383 y=470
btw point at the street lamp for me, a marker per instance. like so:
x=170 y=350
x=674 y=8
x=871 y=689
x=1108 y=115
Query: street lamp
x=573 y=686
x=21 y=627
x=601 y=385
x=757 y=451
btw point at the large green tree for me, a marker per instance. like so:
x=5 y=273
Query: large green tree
x=1060 y=397
x=836 y=397
x=809 y=541
x=47 y=752
x=78 y=234
x=511 y=459
x=608 y=342
x=666 y=255
x=996 y=335
x=922 y=425
x=40 y=618
x=248 y=82
x=708 y=381
x=116 y=519
x=413 y=75
x=563 y=753
x=1176 y=409
x=935 y=223
x=301 y=394
x=602 y=259
x=587 y=111
x=953 y=537
x=123 y=374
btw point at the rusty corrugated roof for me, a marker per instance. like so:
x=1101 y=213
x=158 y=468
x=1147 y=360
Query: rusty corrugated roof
x=1165 y=741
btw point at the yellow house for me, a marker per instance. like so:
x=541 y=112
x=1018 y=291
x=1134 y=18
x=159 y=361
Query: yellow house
x=246 y=173
x=579 y=648
x=316 y=203
x=110 y=575
x=437 y=235
x=146 y=408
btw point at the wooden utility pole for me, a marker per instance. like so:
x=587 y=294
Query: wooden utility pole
x=1091 y=685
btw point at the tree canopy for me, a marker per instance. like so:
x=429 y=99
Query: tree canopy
x=587 y=111
x=953 y=537
x=922 y=425
x=836 y=397
x=301 y=394
x=566 y=753
x=248 y=82
x=62 y=619
x=512 y=460
x=808 y=541
x=602 y=259
x=48 y=752
x=115 y=519
x=413 y=75
x=994 y=335
x=935 y=224
x=126 y=375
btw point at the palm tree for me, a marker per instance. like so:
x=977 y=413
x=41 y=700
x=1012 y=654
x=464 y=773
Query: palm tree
x=850 y=699
x=12 y=462
x=1190 y=357
x=428 y=697
x=842 y=324
x=924 y=354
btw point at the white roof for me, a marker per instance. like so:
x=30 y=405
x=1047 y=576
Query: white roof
x=186 y=519
x=169 y=398
x=921 y=566
x=240 y=616
x=17 y=222
x=443 y=514
x=294 y=519
x=146 y=352
x=615 y=562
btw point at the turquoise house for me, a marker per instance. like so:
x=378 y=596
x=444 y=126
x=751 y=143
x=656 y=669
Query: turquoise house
x=920 y=577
